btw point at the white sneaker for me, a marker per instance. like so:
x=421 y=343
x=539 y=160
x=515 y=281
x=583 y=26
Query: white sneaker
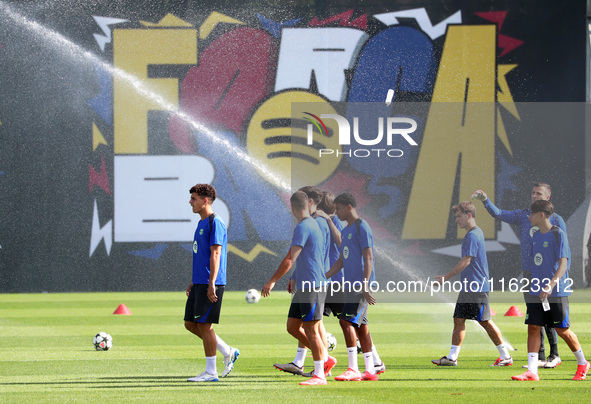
x=204 y=377
x=503 y=362
x=444 y=361
x=229 y=361
x=552 y=362
x=381 y=368
x=541 y=364
x=293 y=369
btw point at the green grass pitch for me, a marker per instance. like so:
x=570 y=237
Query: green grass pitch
x=46 y=353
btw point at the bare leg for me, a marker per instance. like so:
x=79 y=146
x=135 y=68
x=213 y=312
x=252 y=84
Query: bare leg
x=493 y=331
x=349 y=333
x=193 y=328
x=322 y=331
x=459 y=332
x=311 y=328
x=209 y=338
x=364 y=337
x=294 y=328
x=570 y=338
x=533 y=338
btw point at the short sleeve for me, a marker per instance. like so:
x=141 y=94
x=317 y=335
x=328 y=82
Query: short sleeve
x=218 y=233
x=365 y=237
x=470 y=245
x=563 y=247
x=300 y=235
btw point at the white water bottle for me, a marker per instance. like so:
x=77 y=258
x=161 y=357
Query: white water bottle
x=545 y=304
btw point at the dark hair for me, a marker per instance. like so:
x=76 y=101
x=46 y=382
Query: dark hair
x=465 y=208
x=346 y=199
x=204 y=190
x=543 y=185
x=299 y=200
x=313 y=193
x=542 y=206
x=327 y=203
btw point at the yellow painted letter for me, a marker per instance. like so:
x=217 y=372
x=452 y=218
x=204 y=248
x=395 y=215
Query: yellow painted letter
x=134 y=94
x=460 y=130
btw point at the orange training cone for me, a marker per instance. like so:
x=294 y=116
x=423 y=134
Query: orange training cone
x=514 y=312
x=123 y=310
x=492 y=312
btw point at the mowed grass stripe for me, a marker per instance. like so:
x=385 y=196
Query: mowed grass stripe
x=46 y=353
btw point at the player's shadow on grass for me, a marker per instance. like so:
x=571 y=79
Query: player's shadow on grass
x=439 y=379
x=157 y=381
x=141 y=379
x=101 y=382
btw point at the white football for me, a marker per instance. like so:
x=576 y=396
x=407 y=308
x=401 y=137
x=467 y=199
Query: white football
x=332 y=341
x=102 y=341
x=252 y=296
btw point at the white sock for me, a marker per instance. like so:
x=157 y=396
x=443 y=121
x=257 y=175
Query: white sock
x=532 y=362
x=319 y=369
x=503 y=352
x=580 y=356
x=352 y=353
x=376 y=357
x=210 y=365
x=222 y=346
x=300 y=357
x=325 y=354
x=454 y=352
x=369 y=365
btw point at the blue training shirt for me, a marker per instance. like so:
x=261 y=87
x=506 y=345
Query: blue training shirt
x=323 y=225
x=546 y=251
x=335 y=251
x=205 y=237
x=309 y=271
x=354 y=239
x=520 y=217
x=477 y=270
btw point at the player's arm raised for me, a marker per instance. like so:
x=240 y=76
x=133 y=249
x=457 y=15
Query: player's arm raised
x=480 y=195
x=507 y=216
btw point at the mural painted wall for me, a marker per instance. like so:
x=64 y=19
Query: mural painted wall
x=111 y=112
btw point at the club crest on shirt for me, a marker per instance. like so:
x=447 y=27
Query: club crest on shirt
x=349 y=236
x=201 y=232
x=545 y=244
